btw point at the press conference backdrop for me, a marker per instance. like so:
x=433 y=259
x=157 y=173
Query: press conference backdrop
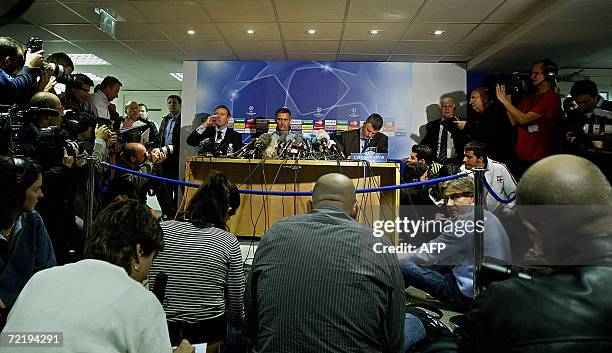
x=335 y=96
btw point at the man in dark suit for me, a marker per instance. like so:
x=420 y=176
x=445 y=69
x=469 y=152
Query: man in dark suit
x=169 y=144
x=215 y=128
x=443 y=136
x=367 y=136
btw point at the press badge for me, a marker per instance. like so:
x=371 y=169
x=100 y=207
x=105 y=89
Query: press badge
x=533 y=128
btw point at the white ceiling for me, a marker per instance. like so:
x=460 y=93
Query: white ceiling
x=491 y=35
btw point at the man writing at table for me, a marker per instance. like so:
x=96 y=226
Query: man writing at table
x=367 y=136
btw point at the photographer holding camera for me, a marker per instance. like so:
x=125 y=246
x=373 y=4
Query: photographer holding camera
x=134 y=156
x=14 y=87
x=535 y=117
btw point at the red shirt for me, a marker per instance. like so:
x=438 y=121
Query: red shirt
x=535 y=140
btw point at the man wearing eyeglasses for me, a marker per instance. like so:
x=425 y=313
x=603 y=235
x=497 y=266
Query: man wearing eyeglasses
x=77 y=92
x=448 y=274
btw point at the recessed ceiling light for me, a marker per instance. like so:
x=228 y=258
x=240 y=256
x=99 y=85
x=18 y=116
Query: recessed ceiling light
x=250 y=31
x=177 y=75
x=190 y=31
x=374 y=31
x=93 y=76
x=87 y=59
x=438 y=32
x=311 y=31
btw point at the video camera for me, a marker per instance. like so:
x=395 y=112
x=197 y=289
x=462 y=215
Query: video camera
x=19 y=136
x=517 y=84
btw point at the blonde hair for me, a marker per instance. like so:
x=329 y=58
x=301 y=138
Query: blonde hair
x=463 y=185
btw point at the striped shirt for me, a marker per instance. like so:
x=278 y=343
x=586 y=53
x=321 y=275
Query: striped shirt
x=205 y=273
x=318 y=286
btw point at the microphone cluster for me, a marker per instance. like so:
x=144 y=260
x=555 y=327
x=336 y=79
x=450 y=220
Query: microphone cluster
x=318 y=146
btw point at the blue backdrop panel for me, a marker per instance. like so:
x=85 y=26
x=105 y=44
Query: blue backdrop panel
x=336 y=96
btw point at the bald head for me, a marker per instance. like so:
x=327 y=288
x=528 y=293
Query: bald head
x=134 y=153
x=566 y=200
x=46 y=100
x=336 y=190
x=564 y=180
x=50 y=101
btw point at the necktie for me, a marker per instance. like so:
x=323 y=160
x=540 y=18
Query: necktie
x=218 y=136
x=366 y=144
x=443 y=145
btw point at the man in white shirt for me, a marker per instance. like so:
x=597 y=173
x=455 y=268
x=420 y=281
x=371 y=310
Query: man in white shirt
x=497 y=175
x=107 y=91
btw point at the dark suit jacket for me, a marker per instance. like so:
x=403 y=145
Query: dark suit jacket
x=170 y=166
x=349 y=140
x=231 y=136
x=432 y=133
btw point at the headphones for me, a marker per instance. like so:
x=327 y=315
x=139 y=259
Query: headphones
x=549 y=69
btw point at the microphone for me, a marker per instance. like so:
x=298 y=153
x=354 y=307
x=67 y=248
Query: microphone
x=333 y=146
x=510 y=271
x=159 y=287
x=204 y=146
x=263 y=142
x=283 y=150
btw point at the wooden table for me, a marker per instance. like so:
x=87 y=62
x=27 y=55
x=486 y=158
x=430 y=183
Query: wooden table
x=258 y=212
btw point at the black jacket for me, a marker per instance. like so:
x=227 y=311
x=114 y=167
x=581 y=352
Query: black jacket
x=568 y=311
x=350 y=142
x=493 y=128
x=433 y=131
x=170 y=166
x=231 y=136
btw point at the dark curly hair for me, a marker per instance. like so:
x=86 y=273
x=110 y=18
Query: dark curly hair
x=117 y=230
x=216 y=199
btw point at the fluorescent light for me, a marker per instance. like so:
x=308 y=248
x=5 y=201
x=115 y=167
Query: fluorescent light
x=311 y=31
x=374 y=31
x=93 y=76
x=438 y=32
x=250 y=31
x=87 y=59
x=190 y=32
x=177 y=75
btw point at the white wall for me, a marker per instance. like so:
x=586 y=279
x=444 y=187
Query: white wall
x=154 y=100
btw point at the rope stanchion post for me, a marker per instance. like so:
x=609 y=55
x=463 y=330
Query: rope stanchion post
x=479 y=201
x=89 y=195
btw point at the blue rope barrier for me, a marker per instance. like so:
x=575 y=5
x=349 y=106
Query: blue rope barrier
x=497 y=197
x=288 y=193
x=150 y=176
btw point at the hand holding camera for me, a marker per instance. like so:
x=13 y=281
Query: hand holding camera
x=157 y=156
x=103 y=132
x=34 y=59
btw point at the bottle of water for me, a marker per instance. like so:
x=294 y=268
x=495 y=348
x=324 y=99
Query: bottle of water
x=230 y=149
